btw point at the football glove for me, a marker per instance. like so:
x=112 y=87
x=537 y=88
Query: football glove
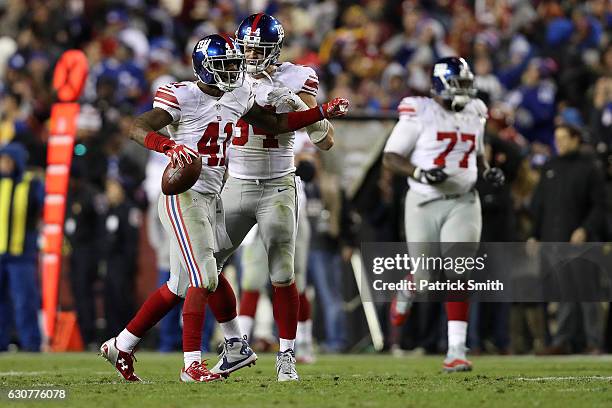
x=431 y=176
x=495 y=176
x=180 y=155
x=280 y=96
x=335 y=108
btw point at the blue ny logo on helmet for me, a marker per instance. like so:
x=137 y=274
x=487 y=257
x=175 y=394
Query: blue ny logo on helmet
x=453 y=81
x=265 y=35
x=217 y=61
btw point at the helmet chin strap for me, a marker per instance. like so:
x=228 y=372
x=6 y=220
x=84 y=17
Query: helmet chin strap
x=459 y=101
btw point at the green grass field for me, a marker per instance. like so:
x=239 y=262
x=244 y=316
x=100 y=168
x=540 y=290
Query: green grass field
x=334 y=381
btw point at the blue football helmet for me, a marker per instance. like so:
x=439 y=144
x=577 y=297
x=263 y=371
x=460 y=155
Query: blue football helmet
x=453 y=81
x=218 y=61
x=265 y=34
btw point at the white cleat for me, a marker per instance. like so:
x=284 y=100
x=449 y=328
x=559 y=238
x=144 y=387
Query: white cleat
x=456 y=360
x=235 y=355
x=285 y=366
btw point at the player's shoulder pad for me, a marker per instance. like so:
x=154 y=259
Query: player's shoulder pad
x=174 y=94
x=479 y=108
x=412 y=107
x=298 y=78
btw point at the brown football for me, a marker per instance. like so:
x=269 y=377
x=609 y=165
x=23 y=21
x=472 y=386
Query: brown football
x=177 y=180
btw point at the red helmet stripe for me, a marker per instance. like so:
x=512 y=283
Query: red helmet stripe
x=228 y=40
x=256 y=21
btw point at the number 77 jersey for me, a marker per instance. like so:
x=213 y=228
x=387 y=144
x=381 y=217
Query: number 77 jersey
x=434 y=137
x=204 y=123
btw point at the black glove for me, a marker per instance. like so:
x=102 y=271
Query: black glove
x=431 y=176
x=495 y=176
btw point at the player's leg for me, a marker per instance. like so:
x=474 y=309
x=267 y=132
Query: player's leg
x=255 y=277
x=304 y=347
x=169 y=327
x=277 y=222
x=463 y=224
x=239 y=200
x=422 y=229
x=119 y=350
x=191 y=217
x=239 y=219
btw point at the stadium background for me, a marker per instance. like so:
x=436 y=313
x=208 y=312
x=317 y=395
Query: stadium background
x=537 y=64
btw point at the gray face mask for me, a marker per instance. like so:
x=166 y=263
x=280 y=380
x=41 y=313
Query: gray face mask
x=459 y=101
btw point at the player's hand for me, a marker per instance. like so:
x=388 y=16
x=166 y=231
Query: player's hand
x=280 y=96
x=335 y=108
x=431 y=176
x=180 y=155
x=495 y=176
x=579 y=236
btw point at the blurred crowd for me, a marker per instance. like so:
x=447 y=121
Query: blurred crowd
x=538 y=64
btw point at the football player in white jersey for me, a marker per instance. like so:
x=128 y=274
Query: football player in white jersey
x=201 y=117
x=438 y=144
x=255 y=270
x=262 y=187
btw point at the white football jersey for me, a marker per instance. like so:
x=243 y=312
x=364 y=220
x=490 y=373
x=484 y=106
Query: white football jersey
x=432 y=136
x=256 y=154
x=204 y=123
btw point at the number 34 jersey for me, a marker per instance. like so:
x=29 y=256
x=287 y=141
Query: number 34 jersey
x=431 y=136
x=204 y=123
x=255 y=154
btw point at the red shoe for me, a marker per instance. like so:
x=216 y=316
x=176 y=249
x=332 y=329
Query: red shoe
x=456 y=360
x=399 y=312
x=197 y=372
x=121 y=360
x=456 y=365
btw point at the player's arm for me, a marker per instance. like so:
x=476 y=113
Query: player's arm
x=493 y=175
x=399 y=147
x=145 y=132
x=398 y=164
x=150 y=121
x=277 y=123
x=323 y=127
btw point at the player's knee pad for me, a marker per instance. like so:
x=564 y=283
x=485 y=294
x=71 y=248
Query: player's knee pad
x=282 y=278
x=209 y=274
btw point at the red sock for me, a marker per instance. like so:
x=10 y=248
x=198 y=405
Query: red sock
x=153 y=310
x=304 y=308
x=193 y=318
x=286 y=305
x=223 y=301
x=457 y=310
x=248 y=303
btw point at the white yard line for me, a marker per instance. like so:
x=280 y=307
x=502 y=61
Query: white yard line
x=572 y=378
x=30 y=373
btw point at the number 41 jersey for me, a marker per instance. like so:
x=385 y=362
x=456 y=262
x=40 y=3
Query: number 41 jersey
x=431 y=136
x=255 y=154
x=204 y=123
